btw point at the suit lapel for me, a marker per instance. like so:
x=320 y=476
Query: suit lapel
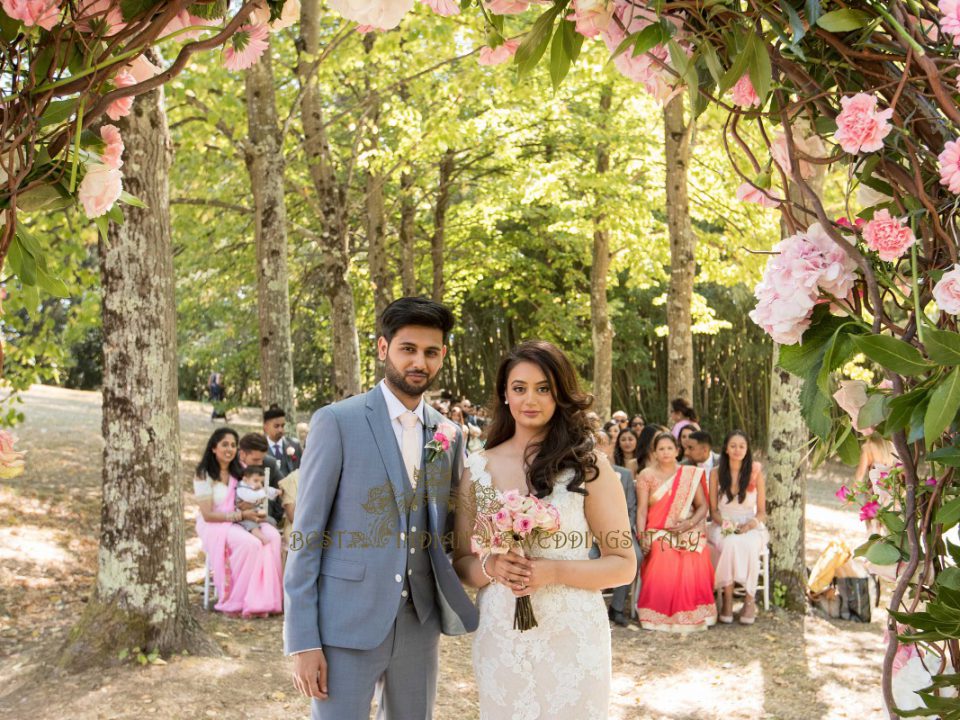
x=386 y=440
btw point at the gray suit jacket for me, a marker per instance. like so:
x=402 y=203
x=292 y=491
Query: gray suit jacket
x=347 y=557
x=630 y=490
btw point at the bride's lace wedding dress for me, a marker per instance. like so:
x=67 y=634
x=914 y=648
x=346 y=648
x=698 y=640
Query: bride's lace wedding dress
x=559 y=670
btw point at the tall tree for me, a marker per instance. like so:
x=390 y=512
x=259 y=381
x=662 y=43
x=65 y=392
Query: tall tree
x=263 y=154
x=408 y=238
x=445 y=178
x=678 y=137
x=331 y=194
x=602 y=329
x=140 y=597
x=376 y=221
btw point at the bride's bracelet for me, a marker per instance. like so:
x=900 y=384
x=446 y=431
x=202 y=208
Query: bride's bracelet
x=483 y=569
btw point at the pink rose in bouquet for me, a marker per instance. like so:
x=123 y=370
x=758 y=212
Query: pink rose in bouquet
x=514 y=522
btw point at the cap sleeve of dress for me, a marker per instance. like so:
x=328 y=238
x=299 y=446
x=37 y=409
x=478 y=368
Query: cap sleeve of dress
x=202 y=488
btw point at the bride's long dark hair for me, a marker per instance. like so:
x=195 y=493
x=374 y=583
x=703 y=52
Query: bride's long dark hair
x=569 y=442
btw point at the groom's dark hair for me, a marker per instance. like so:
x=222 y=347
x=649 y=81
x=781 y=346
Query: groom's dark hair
x=415 y=311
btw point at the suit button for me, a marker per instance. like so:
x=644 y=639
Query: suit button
x=398 y=578
x=409 y=572
x=412 y=550
x=413 y=529
x=403 y=536
x=403 y=594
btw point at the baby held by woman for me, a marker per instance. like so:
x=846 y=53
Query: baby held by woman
x=253 y=489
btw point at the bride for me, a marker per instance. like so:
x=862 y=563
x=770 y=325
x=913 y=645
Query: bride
x=540 y=442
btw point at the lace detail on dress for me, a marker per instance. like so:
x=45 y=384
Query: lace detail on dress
x=560 y=669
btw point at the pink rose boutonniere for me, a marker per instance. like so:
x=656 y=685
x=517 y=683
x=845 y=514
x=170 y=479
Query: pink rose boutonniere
x=291 y=453
x=443 y=436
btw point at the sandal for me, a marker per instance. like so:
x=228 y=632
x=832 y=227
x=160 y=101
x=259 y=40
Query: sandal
x=748 y=619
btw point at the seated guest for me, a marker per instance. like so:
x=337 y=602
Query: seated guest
x=253 y=567
x=699 y=451
x=681 y=415
x=620 y=417
x=677 y=590
x=637 y=424
x=644 y=445
x=470 y=432
x=286 y=451
x=625 y=452
x=612 y=428
x=255 y=450
x=685 y=433
x=738 y=509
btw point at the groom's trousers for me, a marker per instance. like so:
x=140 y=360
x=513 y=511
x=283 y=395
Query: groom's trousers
x=402 y=671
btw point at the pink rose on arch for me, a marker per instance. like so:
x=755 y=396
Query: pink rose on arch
x=498 y=55
x=112 y=155
x=844 y=494
x=743 y=93
x=99 y=189
x=887 y=236
x=591 y=16
x=445 y=8
x=747 y=192
x=44 y=13
x=869 y=510
x=946 y=293
x=860 y=126
x=950 y=22
x=950 y=166
x=121 y=108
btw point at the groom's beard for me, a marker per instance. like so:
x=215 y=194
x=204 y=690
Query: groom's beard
x=399 y=380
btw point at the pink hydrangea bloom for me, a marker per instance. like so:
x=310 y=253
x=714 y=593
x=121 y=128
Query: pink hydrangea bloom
x=445 y=8
x=591 y=16
x=950 y=22
x=44 y=13
x=113 y=154
x=860 y=126
x=100 y=189
x=245 y=47
x=807 y=144
x=747 y=192
x=851 y=397
x=806 y=265
x=743 y=93
x=121 y=108
x=498 y=55
x=869 y=510
x=888 y=236
x=506 y=7
x=946 y=293
x=380 y=14
x=844 y=494
x=950 y=166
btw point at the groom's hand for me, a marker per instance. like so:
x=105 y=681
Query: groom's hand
x=310 y=674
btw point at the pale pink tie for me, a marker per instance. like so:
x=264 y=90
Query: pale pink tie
x=410 y=445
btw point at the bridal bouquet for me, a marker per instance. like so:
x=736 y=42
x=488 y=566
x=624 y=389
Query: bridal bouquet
x=728 y=528
x=513 y=522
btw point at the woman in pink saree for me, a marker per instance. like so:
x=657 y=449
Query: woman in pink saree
x=246 y=571
x=676 y=592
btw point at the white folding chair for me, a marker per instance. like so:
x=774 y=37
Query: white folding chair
x=209 y=589
x=765 y=575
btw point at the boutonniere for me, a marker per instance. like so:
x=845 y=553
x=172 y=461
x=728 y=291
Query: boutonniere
x=292 y=454
x=443 y=435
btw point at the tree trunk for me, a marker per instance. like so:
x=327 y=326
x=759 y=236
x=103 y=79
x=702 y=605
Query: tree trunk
x=602 y=329
x=376 y=233
x=787 y=446
x=408 y=216
x=140 y=599
x=440 y=223
x=678 y=137
x=331 y=197
x=265 y=162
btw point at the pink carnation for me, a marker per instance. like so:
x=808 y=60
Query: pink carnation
x=591 y=16
x=946 y=293
x=869 y=510
x=44 y=13
x=442 y=439
x=950 y=166
x=887 y=236
x=860 y=127
x=100 y=189
x=245 y=47
x=743 y=93
x=844 y=494
x=950 y=22
x=444 y=8
x=121 y=108
x=379 y=14
x=747 y=192
x=113 y=154
x=498 y=55
x=506 y=7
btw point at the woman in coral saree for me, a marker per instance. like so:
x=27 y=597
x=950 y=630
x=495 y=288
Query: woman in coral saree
x=676 y=592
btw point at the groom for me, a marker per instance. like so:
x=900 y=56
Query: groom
x=368 y=587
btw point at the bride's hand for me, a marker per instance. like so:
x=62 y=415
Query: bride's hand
x=541 y=575
x=511 y=569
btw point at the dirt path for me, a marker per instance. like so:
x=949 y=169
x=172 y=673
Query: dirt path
x=784 y=667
